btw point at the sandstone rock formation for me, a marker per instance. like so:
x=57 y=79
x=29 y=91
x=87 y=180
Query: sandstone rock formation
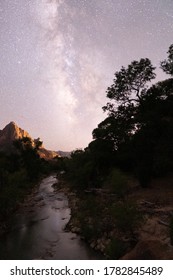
x=12 y=132
x=9 y=134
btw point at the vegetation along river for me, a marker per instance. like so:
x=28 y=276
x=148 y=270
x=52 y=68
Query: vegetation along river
x=37 y=229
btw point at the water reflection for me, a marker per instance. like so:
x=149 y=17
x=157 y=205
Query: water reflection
x=38 y=229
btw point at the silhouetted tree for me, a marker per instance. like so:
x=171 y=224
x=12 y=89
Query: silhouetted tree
x=127 y=94
x=153 y=141
x=137 y=135
x=29 y=156
x=130 y=84
x=167 y=64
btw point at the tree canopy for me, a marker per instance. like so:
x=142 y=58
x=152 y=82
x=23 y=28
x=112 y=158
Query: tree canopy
x=130 y=84
x=167 y=64
x=140 y=118
x=137 y=134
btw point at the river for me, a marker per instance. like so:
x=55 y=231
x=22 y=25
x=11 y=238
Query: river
x=37 y=229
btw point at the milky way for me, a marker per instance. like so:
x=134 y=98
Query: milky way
x=59 y=56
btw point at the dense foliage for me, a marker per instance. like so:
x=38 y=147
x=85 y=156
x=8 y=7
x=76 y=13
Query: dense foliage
x=137 y=134
x=134 y=142
x=18 y=173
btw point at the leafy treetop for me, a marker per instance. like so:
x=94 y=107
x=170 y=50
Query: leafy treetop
x=130 y=84
x=167 y=64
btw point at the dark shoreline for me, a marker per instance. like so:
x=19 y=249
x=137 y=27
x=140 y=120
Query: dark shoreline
x=151 y=239
x=5 y=222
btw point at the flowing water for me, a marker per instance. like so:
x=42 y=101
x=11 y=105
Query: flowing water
x=37 y=229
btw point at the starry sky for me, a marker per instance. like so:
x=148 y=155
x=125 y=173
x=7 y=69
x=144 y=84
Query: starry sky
x=57 y=58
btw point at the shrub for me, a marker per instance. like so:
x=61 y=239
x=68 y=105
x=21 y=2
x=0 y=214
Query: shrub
x=127 y=217
x=117 y=182
x=13 y=192
x=90 y=231
x=90 y=216
x=116 y=249
x=18 y=179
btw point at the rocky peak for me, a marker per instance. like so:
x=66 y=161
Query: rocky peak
x=12 y=132
x=9 y=134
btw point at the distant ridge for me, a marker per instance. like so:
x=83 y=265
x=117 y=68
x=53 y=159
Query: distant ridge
x=64 y=154
x=12 y=132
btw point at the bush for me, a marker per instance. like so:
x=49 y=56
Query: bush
x=90 y=217
x=18 y=179
x=117 y=182
x=127 y=217
x=90 y=231
x=13 y=192
x=116 y=249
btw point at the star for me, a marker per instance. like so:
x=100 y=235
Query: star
x=59 y=56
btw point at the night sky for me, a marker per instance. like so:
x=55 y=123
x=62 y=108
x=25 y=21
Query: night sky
x=57 y=58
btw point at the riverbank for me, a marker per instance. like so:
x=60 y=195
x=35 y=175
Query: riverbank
x=37 y=229
x=20 y=198
x=136 y=228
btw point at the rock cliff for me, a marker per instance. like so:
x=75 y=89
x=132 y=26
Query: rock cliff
x=12 y=132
